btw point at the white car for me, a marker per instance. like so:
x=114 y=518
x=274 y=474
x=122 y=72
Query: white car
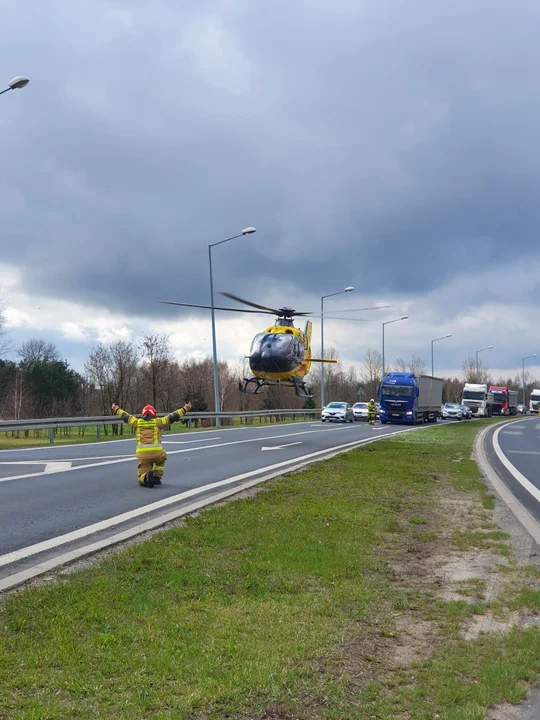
x=360 y=411
x=452 y=411
x=337 y=412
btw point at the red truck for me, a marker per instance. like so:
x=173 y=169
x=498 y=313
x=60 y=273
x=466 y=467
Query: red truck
x=504 y=400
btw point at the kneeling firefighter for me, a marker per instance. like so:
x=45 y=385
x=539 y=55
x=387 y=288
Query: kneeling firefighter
x=148 y=430
x=372 y=412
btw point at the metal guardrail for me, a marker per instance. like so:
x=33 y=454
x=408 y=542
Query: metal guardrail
x=53 y=424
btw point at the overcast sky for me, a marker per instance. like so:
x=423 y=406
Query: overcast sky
x=392 y=146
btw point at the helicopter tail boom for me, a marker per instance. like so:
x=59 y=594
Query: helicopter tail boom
x=335 y=362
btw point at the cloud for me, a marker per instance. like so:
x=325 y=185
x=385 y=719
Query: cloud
x=385 y=145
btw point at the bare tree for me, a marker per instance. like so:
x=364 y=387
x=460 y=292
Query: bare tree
x=37 y=350
x=370 y=374
x=471 y=375
x=113 y=368
x=416 y=365
x=156 y=353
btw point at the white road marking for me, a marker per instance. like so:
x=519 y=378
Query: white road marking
x=70 y=460
x=523 y=452
x=280 y=447
x=512 y=432
x=172 y=452
x=187 y=442
x=537 y=426
x=53 y=467
x=532 y=489
x=137 y=512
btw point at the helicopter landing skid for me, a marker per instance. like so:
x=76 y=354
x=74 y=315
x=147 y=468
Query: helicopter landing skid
x=254 y=386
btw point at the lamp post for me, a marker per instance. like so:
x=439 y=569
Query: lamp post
x=246 y=231
x=389 y=322
x=341 y=292
x=523 y=373
x=16 y=84
x=432 y=362
x=477 y=367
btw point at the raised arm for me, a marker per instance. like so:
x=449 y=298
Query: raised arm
x=125 y=416
x=176 y=415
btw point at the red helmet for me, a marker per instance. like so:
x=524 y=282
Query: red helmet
x=149 y=410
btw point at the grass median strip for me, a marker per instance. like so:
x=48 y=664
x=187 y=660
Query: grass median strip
x=357 y=588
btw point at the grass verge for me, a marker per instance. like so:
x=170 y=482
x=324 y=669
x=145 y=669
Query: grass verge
x=325 y=595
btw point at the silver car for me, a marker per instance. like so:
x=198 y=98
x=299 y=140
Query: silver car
x=337 y=412
x=452 y=411
x=360 y=411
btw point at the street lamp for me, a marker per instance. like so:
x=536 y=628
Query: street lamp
x=434 y=341
x=523 y=372
x=246 y=231
x=389 y=322
x=347 y=289
x=16 y=84
x=479 y=351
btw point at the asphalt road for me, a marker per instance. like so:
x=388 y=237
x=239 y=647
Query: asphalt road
x=54 y=499
x=513 y=451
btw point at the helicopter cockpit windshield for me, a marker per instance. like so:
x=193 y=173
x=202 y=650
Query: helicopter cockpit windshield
x=275 y=352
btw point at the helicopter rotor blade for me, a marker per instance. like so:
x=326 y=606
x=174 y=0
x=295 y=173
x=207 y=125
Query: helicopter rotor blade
x=251 y=304
x=329 y=317
x=376 y=307
x=215 y=307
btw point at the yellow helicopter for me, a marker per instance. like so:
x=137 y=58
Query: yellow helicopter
x=281 y=354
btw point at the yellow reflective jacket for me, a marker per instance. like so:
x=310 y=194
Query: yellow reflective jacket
x=148 y=432
x=371 y=408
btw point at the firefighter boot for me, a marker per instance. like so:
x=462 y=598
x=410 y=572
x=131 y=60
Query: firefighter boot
x=147 y=480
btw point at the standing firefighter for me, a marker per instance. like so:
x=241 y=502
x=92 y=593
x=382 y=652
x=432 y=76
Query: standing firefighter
x=372 y=412
x=148 y=430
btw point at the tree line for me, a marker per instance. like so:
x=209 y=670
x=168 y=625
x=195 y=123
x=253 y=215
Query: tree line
x=133 y=373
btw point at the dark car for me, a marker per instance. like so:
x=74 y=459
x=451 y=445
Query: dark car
x=466 y=412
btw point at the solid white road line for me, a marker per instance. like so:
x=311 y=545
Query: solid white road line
x=520 y=511
x=137 y=512
x=523 y=452
x=187 y=442
x=522 y=480
x=172 y=452
x=280 y=447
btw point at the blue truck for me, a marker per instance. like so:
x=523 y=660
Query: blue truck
x=409 y=398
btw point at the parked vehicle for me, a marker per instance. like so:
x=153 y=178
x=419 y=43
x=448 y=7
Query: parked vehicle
x=337 y=412
x=479 y=399
x=360 y=411
x=408 y=398
x=521 y=410
x=504 y=400
x=452 y=411
x=534 y=401
x=466 y=410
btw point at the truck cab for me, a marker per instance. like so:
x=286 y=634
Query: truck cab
x=407 y=398
x=534 y=401
x=479 y=399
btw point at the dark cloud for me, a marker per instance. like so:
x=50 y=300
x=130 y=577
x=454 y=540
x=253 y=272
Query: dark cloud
x=390 y=139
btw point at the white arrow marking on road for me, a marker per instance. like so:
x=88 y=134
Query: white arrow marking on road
x=53 y=467
x=280 y=447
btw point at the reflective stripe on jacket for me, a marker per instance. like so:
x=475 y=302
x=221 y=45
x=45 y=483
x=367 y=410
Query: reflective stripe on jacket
x=148 y=432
